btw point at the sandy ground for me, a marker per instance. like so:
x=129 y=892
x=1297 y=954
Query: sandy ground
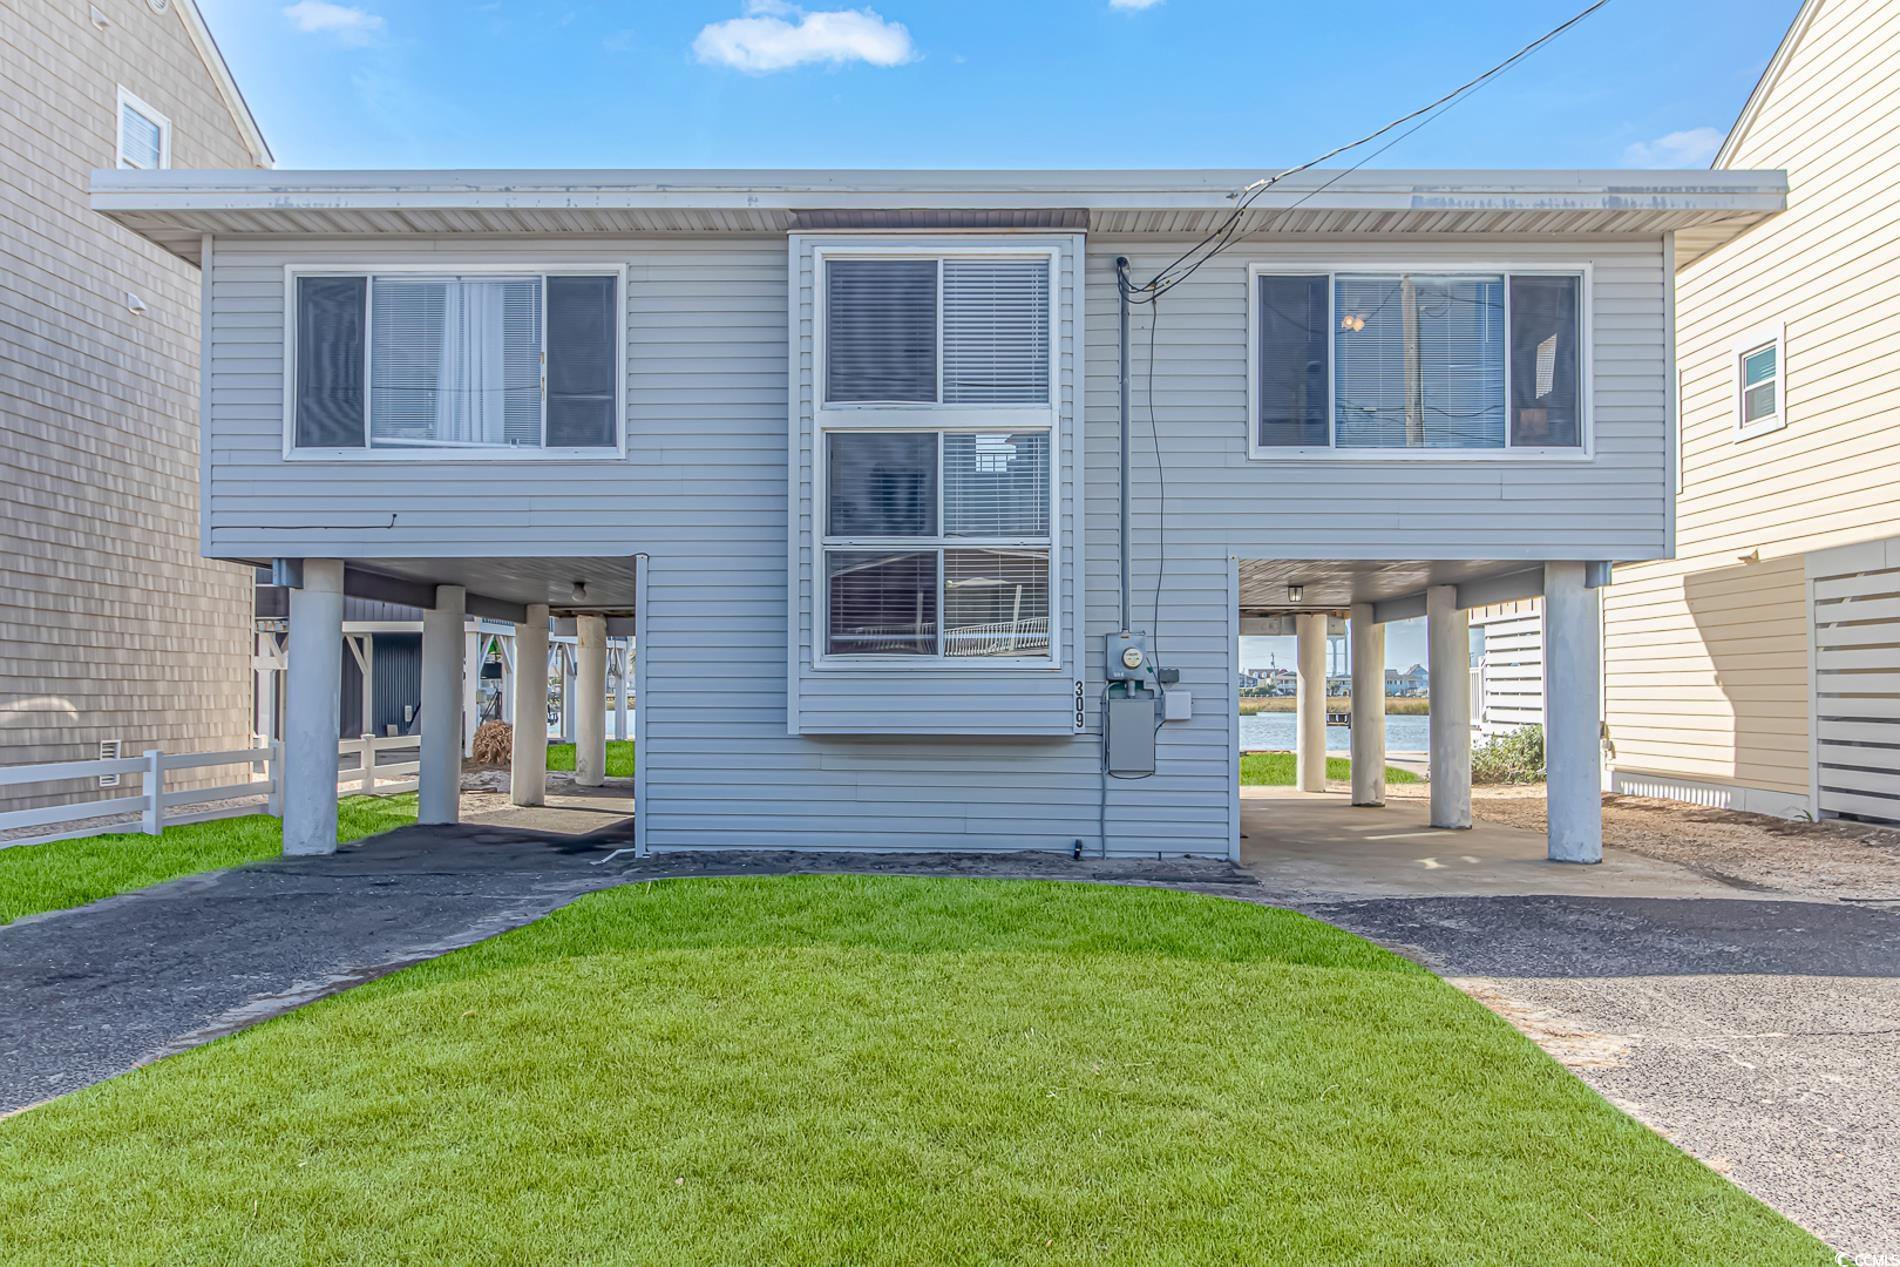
x=485 y=789
x=1843 y=861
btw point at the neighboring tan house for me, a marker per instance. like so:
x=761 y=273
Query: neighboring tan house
x=113 y=627
x=1760 y=668
x=848 y=451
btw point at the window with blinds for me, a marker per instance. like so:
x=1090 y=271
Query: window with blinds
x=1415 y=361
x=469 y=363
x=936 y=535
x=937 y=544
x=952 y=331
x=144 y=135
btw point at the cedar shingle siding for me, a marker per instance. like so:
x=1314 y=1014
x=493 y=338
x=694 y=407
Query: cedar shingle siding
x=112 y=627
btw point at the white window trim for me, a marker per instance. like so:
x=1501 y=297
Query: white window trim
x=1332 y=268
x=1775 y=335
x=128 y=98
x=938 y=417
x=453 y=268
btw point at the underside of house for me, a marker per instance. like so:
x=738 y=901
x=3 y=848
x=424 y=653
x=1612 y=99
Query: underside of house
x=936 y=528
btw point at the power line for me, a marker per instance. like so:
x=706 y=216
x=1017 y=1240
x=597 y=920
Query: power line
x=1227 y=233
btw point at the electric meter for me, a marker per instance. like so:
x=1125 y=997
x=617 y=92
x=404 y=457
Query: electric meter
x=1132 y=657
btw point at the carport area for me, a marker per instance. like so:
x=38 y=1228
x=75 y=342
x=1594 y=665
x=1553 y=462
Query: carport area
x=1313 y=599
x=581 y=601
x=1320 y=847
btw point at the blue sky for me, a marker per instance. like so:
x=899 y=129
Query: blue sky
x=1007 y=83
x=1259 y=84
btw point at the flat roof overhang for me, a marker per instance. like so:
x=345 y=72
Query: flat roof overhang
x=175 y=208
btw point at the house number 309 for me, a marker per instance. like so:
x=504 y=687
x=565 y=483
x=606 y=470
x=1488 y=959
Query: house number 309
x=1081 y=705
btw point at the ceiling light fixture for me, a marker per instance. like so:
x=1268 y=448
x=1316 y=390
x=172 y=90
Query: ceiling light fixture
x=1296 y=593
x=580 y=591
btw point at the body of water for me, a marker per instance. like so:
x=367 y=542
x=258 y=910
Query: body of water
x=1275 y=731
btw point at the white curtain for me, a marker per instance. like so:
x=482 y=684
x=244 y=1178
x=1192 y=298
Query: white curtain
x=471 y=392
x=456 y=361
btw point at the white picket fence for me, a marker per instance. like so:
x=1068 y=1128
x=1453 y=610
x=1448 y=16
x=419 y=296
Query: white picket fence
x=156 y=808
x=372 y=776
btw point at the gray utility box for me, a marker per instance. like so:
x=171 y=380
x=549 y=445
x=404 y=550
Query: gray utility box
x=1131 y=734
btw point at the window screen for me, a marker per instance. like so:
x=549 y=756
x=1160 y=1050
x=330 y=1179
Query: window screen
x=1758 y=384
x=1545 y=362
x=995 y=331
x=996 y=603
x=329 y=384
x=1418 y=362
x=582 y=362
x=996 y=484
x=1294 y=332
x=881 y=603
x=881 y=485
x=880 y=331
x=455 y=362
x=141 y=139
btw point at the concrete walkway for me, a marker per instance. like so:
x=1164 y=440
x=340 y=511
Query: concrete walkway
x=1758 y=1028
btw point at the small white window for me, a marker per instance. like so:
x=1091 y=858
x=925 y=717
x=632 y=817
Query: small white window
x=145 y=135
x=1758 y=387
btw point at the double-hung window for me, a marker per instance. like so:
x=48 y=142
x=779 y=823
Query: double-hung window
x=936 y=427
x=1758 y=389
x=455 y=364
x=1391 y=360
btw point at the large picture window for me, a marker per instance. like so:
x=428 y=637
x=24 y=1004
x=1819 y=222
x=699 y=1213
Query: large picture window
x=936 y=425
x=456 y=363
x=1394 y=361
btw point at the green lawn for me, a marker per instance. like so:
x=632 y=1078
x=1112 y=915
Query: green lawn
x=52 y=877
x=619 y=757
x=1276 y=769
x=875 y=1070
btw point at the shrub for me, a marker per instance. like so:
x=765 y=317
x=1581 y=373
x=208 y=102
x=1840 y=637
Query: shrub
x=1516 y=756
x=494 y=743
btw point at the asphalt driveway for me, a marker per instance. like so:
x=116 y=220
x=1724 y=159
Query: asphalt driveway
x=1750 y=1017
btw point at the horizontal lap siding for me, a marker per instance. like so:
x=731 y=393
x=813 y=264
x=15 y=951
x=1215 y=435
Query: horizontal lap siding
x=112 y=625
x=1707 y=659
x=1609 y=508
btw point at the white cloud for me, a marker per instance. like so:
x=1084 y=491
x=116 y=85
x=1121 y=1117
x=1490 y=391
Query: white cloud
x=1692 y=148
x=347 y=23
x=1133 y=4
x=775 y=35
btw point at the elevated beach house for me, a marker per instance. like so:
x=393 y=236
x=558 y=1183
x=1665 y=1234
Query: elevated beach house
x=936 y=525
